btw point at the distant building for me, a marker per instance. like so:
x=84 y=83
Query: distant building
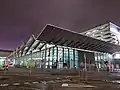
x=108 y=32
x=3 y=55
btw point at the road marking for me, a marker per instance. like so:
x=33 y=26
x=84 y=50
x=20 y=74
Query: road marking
x=57 y=81
x=57 y=78
x=44 y=82
x=51 y=81
x=26 y=83
x=16 y=83
x=35 y=82
x=4 y=85
x=65 y=85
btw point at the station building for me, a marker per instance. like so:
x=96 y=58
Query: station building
x=108 y=32
x=57 y=47
x=3 y=56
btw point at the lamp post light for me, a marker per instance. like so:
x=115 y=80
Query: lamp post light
x=30 y=64
x=85 y=68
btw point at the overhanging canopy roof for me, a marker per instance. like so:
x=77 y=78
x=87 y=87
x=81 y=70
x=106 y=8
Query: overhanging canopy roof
x=33 y=46
x=60 y=36
x=22 y=47
x=5 y=53
x=29 y=44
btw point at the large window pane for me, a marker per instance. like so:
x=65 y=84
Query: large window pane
x=76 y=58
x=71 y=58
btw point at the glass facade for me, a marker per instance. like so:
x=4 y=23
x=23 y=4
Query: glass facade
x=2 y=59
x=100 y=58
x=55 y=56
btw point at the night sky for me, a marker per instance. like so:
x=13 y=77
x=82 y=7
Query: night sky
x=21 y=18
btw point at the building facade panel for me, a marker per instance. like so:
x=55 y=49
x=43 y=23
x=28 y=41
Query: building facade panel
x=58 y=57
x=49 y=55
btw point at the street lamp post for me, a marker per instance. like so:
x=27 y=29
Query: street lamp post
x=85 y=64
x=30 y=64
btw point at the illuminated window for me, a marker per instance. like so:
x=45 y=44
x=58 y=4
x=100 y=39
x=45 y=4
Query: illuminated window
x=117 y=56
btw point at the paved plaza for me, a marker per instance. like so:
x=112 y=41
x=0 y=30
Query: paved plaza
x=92 y=80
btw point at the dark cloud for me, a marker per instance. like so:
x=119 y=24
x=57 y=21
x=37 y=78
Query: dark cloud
x=21 y=18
